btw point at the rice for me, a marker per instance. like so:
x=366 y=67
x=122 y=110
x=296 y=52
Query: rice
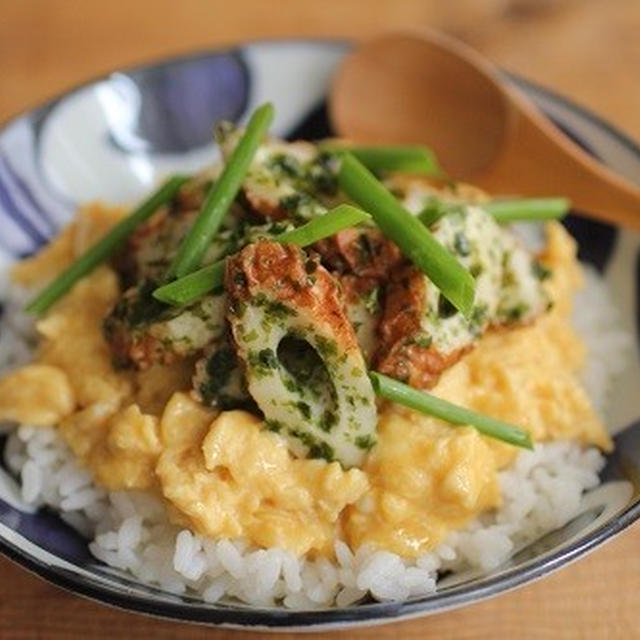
x=129 y=530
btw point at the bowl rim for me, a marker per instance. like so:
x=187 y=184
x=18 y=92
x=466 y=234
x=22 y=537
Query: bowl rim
x=245 y=617
x=160 y=61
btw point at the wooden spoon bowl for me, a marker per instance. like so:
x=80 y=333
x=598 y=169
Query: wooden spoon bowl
x=424 y=87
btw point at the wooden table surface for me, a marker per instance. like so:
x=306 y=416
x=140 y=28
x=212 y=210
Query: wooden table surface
x=587 y=49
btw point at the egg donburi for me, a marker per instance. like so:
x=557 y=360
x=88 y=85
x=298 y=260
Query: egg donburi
x=249 y=409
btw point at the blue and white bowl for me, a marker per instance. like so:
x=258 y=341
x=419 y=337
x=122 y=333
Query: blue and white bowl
x=114 y=138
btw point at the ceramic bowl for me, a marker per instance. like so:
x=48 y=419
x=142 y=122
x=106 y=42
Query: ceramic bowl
x=114 y=138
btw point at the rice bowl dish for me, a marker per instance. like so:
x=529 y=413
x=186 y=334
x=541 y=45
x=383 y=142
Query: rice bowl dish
x=131 y=529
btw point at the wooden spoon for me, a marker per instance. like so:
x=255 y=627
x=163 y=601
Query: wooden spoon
x=424 y=87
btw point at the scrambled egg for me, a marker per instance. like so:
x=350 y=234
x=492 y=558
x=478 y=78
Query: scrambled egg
x=224 y=475
x=156 y=385
x=233 y=478
x=37 y=394
x=121 y=448
x=72 y=340
x=426 y=479
x=91 y=223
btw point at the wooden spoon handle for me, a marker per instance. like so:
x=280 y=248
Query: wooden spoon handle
x=537 y=160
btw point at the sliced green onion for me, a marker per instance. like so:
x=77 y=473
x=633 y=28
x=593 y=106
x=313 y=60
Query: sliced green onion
x=435 y=209
x=413 y=238
x=527 y=209
x=102 y=249
x=504 y=211
x=412 y=159
x=431 y=405
x=191 y=287
x=341 y=217
x=221 y=195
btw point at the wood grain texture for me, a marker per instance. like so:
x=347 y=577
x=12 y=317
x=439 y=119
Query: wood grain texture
x=596 y=597
x=588 y=49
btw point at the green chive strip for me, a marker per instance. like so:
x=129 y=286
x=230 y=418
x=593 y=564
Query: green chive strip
x=504 y=211
x=434 y=209
x=341 y=217
x=431 y=405
x=189 y=288
x=102 y=249
x=411 y=159
x=412 y=237
x=198 y=283
x=221 y=195
x=528 y=209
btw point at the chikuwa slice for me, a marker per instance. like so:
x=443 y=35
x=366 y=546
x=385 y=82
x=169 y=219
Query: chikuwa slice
x=304 y=368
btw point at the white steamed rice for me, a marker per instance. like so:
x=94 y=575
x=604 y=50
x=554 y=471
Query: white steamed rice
x=129 y=530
